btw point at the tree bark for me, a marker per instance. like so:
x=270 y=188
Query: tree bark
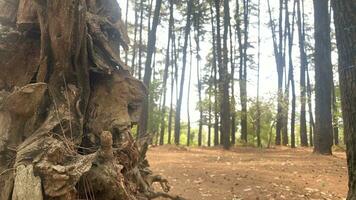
x=335 y=113
x=345 y=20
x=180 y=98
x=323 y=79
x=290 y=32
x=258 y=120
x=224 y=83
x=189 y=86
x=214 y=66
x=165 y=74
x=68 y=125
x=303 y=63
x=242 y=83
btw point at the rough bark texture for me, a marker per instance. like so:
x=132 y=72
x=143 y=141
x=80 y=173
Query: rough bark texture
x=323 y=79
x=303 y=63
x=225 y=125
x=345 y=20
x=67 y=103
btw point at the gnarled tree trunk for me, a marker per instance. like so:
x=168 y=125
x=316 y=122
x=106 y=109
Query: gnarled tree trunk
x=67 y=103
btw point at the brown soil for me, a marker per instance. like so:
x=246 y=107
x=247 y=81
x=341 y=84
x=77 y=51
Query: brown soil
x=250 y=173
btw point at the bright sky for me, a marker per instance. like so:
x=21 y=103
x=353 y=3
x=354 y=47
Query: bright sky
x=268 y=77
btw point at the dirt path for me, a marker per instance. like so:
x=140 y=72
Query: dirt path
x=247 y=173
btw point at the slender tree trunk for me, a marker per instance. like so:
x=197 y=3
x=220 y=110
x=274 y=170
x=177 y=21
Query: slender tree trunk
x=310 y=110
x=335 y=117
x=126 y=27
x=280 y=68
x=224 y=83
x=285 y=138
x=210 y=107
x=180 y=98
x=197 y=41
x=220 y=63
x=291 y=75
x=241 y=74
x=165 y=73
x=233 y=101
x=323 y=79
x=139 y=67
x=149 y=18
x=278 y=59
x=216 y=116
x=189 y=85
x=151 y=48
x=244 y=71
x=303 y=63
x=258 y=120
x=133 y=62
x=345 y=20
x=173 y=75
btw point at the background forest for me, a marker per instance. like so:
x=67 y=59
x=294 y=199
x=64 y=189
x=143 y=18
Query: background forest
x=227 y=72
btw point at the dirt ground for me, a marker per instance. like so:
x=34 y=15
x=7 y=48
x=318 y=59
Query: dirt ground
x=245 y=173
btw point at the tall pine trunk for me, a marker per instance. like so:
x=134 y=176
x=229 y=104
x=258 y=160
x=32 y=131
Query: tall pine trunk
x=233 y=101
x=214 y=66
x=133 y=61
x=140 y=45
x=323 y=79
x=242 y=83
x=258 y=120
x=151 y=48
x=224 y=83
x=180 y=98
x=290 y=33
x=280 y=68
x=188 y=94
x=165 y=73
x=174 y=75
x=200 y=108
x=345 y=20
x=303 y=63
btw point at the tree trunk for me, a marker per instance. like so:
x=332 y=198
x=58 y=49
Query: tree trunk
x=242 y=83
x=280 y=109
x=165 y=73
x=180 y=98
x=210 y=107
x=291 y=75
x=323 y=79
x=345 y=20
x=197 y=42
x=285 y=138
x=310 y=110
x=189 y=84
x=303 y=63
x=133 y=61
x=233 y=101
x=224 y=83
x=140 y=45
x=258 y=120
x=279 y=64
x=335 y=113
x=151 y=48
x=126 y=27
x=216 y=116
x=75 y=101
x=174 y=75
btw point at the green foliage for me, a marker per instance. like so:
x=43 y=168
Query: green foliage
x=267 y=117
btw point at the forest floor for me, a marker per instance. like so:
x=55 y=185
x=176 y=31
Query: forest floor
x=245 y=173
